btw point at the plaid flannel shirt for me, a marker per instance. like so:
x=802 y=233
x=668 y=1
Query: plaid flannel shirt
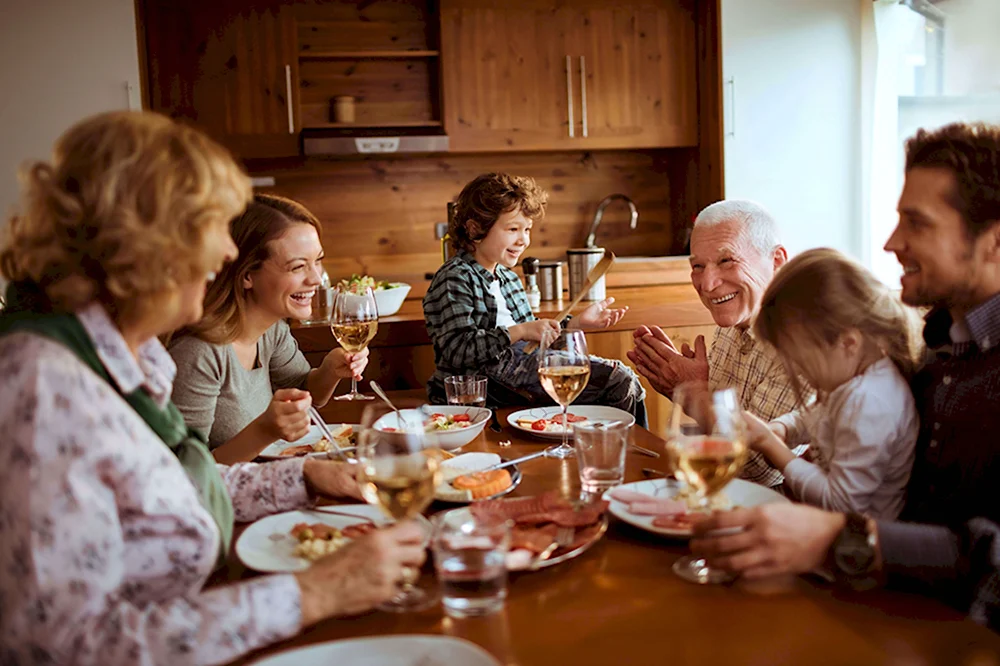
x=739 y=360
x=461 y=314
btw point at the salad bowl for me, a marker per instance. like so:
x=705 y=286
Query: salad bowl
x=450 y=426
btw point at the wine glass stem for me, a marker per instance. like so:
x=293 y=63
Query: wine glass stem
x=354 y=386
x=565 y=426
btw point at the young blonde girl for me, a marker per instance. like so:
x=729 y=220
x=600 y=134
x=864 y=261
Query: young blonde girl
x=837 y=327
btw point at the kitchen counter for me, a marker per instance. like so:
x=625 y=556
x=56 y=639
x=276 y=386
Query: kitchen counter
x=402 y=356
x=674 y=305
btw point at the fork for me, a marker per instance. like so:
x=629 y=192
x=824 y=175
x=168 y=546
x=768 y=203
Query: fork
x=564 y=539
x=321 y=424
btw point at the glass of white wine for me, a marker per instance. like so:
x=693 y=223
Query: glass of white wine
x=398 y=472
x=707 y=440
x=564 y=370
x=354 y=323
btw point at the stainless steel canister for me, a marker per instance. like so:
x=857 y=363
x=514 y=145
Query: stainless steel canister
x=581 y=260
x=550 y=280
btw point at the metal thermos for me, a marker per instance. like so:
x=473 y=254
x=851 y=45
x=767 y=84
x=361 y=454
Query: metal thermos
x=550 y=280
x=581 y=260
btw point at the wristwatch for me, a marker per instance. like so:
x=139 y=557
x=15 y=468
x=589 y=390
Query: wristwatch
x=564 y=323
x=855 y=552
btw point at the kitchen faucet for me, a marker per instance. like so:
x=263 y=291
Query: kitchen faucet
x=605 y=202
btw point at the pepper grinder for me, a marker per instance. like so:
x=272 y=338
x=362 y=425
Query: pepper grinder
x=530 y=267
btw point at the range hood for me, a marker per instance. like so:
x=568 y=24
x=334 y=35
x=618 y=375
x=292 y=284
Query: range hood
x=366 y=141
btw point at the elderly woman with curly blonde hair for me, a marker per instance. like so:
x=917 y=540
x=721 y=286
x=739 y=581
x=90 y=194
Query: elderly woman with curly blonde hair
x=112 y=512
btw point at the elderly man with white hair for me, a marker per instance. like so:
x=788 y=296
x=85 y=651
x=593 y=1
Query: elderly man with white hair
x=734 y=254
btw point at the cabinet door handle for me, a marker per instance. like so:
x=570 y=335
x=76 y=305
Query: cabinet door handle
x=583 y=93
x=288 y=98
x=569 y=94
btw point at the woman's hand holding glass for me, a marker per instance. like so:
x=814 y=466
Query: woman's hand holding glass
x=363 y=574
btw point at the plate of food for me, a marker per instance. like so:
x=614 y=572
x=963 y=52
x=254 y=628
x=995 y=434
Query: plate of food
x=546 y=422
x=292 y=541
x=389 y=296
x=405 y=650
x=538 y=522
x=448 y=426
x=666 y=507
x=463 y=481
x=314 y=443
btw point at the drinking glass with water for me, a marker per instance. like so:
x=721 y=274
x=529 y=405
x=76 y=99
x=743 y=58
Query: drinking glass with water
x=600 y=454
x=467 y=390
x=470 y=558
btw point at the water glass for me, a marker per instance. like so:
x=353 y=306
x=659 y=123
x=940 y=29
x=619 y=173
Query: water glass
x=467 y=390
x=470 y=558
x=600 y=454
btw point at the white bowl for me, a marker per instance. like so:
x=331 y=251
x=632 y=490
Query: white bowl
x=390 y=300
x=449 y=440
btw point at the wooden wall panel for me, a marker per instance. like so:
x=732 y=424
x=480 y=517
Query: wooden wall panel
x=378 y=215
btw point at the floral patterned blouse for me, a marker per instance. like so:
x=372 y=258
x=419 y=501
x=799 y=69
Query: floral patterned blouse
x=104 y=544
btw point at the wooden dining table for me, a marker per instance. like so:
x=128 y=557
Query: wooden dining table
x=620 y=603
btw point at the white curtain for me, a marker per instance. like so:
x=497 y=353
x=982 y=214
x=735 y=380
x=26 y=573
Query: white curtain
x=882 y=31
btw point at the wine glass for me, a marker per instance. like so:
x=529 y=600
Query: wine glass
x=708 y=442
x=564 y=370
x=354 y=322
x=398 y=472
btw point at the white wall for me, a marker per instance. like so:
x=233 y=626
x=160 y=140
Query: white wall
x=62 y=60
x=796 y=70
x=972 y=50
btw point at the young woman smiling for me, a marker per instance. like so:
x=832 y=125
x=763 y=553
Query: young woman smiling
x=241 y=379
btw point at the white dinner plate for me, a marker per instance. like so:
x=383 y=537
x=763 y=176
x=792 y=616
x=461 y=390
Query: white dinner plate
x=273 y=451
x=740 y=493
x=267 y=545
x=387 y=651
x=594 y=413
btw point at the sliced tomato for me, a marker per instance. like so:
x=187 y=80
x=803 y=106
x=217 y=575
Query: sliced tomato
x=461 y=418
x=388 y=430
x=437 y=416
x=538 y=425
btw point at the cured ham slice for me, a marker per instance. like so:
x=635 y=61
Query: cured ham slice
x=513 y=509
x=657 y=507
x=535 y=539
x=582 y=517
x=679 y=521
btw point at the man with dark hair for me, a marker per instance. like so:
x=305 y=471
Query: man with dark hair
x=948 y=242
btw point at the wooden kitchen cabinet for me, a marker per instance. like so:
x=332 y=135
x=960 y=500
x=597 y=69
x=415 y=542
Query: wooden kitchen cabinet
x=504 y=75
x=228 y=66
x=630 y=80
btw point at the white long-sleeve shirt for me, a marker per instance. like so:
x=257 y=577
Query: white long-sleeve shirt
x=104 y=544
x=865 y=432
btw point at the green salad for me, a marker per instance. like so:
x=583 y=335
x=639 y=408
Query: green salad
x=358 y=283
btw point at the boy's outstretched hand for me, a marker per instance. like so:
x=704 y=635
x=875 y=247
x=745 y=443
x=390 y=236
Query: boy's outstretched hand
x=600 y=315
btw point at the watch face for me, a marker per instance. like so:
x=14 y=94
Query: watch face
x=853 y=555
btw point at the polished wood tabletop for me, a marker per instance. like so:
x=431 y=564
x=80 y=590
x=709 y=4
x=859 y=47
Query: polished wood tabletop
x=620 y=603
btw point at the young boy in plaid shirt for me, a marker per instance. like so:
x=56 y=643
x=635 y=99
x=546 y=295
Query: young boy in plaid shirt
x=477 y=312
